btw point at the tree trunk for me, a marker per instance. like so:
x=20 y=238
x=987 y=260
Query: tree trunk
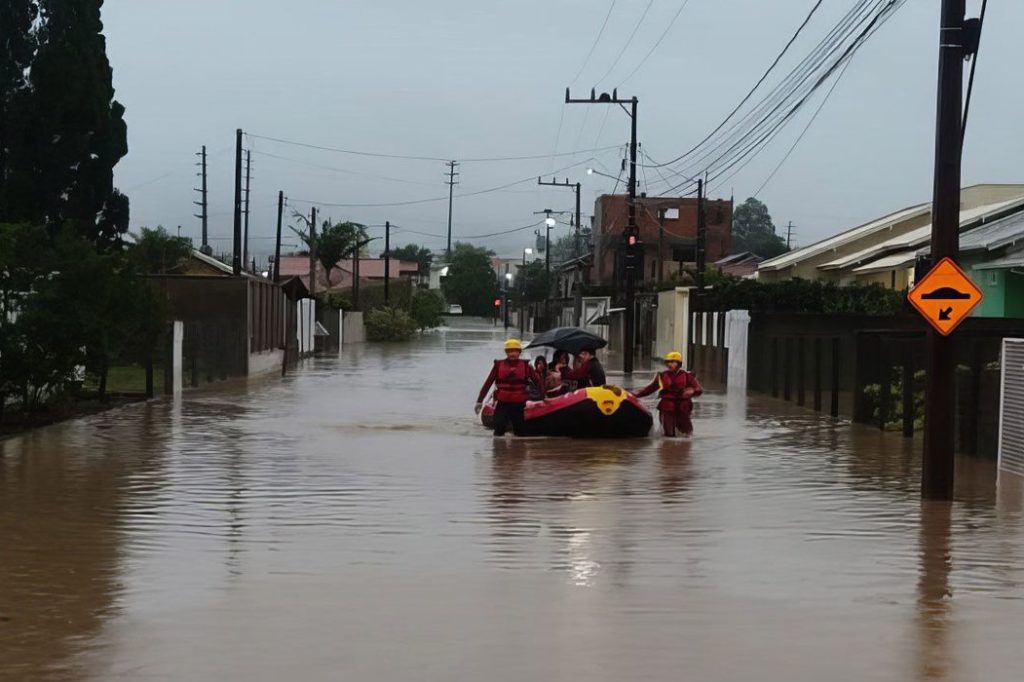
x=104 y=370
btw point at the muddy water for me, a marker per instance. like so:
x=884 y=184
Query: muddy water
x=347 y=524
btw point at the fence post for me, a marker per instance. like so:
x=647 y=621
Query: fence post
x=801 y=366
x=787 y=368
x=884 y=384
x=817 y=373
x=908 y=389
x=775 y=367
x=835 y=378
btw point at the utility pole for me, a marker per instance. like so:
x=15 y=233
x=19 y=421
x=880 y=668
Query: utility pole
x=504 y=303
x=312 y=252
x=451 y=182
x=248 y=180
x=387 y=261
x=522 y=294
x=630 y=248
x=236 y=261
x=202 y=203
x=940 y=393
x=789 y=235
x=355 y=276
x=277 y=245
x=578 y=302
x=702 y=239
x=661 y=246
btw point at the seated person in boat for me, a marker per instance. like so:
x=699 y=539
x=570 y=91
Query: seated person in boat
x=588 y=372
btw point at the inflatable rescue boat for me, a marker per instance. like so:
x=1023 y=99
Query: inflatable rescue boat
x=601 y=412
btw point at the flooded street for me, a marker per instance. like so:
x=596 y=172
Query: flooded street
x=354 y=522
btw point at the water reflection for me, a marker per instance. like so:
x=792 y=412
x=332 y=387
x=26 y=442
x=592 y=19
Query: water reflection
x=935 y=659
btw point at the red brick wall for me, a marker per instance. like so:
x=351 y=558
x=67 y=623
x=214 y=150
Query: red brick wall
x=611 y=214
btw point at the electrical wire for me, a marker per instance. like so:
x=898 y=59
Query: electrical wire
x=757 y=85
x=590 y=54
x=629 y=41
x=970 y=82
x=407 y=157
x=657 y=43
x=343 y=170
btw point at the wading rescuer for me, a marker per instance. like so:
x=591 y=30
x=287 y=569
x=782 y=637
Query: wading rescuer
x=511 y=376
x=677 y=388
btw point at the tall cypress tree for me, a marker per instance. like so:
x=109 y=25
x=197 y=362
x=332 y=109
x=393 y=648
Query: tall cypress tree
x=70 y=129
x=17 y=45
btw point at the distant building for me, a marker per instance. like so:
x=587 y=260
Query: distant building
x=678 y=242
x=370 y=270
x=739 y=264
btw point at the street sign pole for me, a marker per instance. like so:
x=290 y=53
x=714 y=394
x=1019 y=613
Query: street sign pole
x=940 y=394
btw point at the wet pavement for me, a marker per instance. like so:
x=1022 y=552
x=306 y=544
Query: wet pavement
x=347 y=524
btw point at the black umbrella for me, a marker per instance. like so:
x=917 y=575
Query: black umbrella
x=570 y=339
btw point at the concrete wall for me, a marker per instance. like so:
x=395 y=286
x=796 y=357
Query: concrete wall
x=352 y=328
x=266 y=362
x=673 y=322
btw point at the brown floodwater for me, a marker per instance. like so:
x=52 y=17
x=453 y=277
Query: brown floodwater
x=354 y=522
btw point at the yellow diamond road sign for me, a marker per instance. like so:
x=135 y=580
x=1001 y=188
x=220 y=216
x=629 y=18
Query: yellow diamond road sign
x=945 y=296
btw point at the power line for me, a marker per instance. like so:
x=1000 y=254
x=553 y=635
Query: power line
x=656 y=43
x=407 y=157
x=590 y=54
x=757 y=85
x=346 y=171
x=628 y=43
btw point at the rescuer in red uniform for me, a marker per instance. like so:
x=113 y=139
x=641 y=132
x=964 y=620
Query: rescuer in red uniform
x=511 y=376
x=677 y=388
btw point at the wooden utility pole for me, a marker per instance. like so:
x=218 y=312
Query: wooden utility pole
x=387 y=261
x=277 y=244
x=578 y=250
x=312 y=252
x=236 y=261
x=940 y=393
x=631 y=249
x=451 y=182
x=702 y=240
x=789 y=235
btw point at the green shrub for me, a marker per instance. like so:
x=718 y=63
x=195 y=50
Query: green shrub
x=389 y=324
x=426 y=308
x=336 y=300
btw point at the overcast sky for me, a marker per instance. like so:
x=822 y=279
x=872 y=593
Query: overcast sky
x=464 y=79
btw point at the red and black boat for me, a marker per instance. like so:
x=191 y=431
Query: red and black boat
x=601 y=412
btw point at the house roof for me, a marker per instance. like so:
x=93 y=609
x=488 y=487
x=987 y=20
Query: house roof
x=891 y=262
x=1013 y=260
x=369 y=268
x=742 y=257
x=920 y=236
x=793 y=257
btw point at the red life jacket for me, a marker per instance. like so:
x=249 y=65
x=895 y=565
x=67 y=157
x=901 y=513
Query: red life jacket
x=673 y=385
x=511 y=381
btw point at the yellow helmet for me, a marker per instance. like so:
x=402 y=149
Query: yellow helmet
x=513 y=344
x=674 y=356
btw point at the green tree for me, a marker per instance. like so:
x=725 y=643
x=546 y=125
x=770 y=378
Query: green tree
x=389 y=324
x=413 y=253
x=334 y=242
x=471 y=282
x=65 y=130
x=534 y=281
x=157 y=252
x=754 y=231
x=564 y=248
x=427 y=309
x=17 y=45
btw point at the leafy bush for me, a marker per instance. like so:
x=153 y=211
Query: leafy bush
x=336 y=300
x=389 y=324
x=802 y=296
x=426 y=308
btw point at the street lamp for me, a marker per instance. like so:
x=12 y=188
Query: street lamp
x=522 y=293
x=594 y=171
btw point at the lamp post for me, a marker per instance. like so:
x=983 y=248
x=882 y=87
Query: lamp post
x=508 y=282
x=522 y=293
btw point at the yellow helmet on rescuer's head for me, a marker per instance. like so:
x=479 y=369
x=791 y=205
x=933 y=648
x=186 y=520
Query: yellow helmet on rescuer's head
x=674 y=356
x=513 y=344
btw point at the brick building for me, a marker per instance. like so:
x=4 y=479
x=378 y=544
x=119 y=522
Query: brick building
x=679 y=249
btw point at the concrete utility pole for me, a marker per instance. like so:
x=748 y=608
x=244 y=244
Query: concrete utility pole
x=578 y=302
x=702 y=240
x=248 y=181
x=940 y=393
x=387 y=261
x=661 y=246
x=277 y=245
x=312 y=252
x=451 y=182
x=202 y=203
x=236 y=260
x=789 y=235
x=631 y=247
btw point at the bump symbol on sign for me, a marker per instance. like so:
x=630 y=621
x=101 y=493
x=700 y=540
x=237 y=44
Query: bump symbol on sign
x=934 y=295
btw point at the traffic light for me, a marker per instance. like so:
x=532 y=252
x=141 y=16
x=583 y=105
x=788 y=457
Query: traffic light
x=497 y=303
x=631 y=252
